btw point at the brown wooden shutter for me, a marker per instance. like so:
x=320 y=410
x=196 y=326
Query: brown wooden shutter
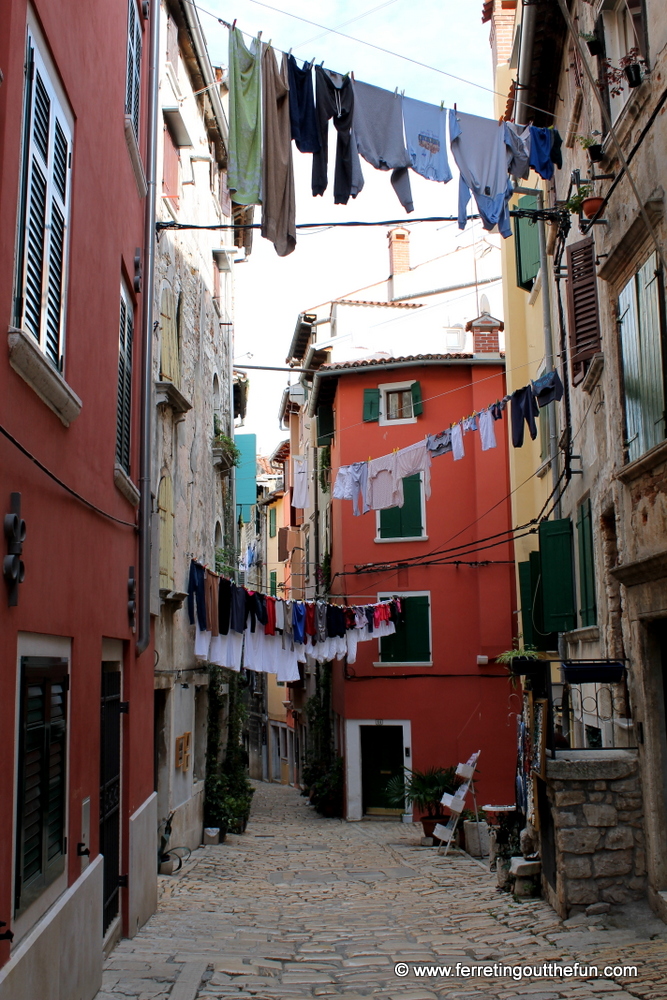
x=283 y=539
x=583 y=308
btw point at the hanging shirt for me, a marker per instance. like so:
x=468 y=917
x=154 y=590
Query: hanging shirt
x=547 y=388
x=384 y=488
x=469 y=424
x=458 y=451
x=270 y=626
x=303 y=122
x=479 y=148
x=439 y=444
x=517 y=139
x=321 y=620
x=237 y=614
x=244 y=174
x=280 y=615
x=524 y=408
x=540 y=151
x=378 y=130
x=556 y=147
x=224 y=605
x=334 y=98
x=202 y=642
x=413 y=459
x=278 y=201
x=301 y=482
x=211 y=594
x=298 y=621
x=487 y=431
x=311 y=627
x=426 y=139
x=351 y=482
x=196 y=594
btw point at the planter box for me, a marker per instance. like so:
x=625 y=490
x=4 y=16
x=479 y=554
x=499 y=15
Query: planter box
x=453 y=802
x=591 y=673
x=474 y=833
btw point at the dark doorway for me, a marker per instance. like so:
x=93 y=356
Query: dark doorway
x=110 y=790
x=381 y=759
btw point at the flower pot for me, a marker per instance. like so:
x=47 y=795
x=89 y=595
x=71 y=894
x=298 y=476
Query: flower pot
x=594 y=46
x=633 y=74
x=430 y=822
x=595 y=154
x=591 y=206
x=592 y=673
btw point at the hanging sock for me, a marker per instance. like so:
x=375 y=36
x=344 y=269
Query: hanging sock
x=244 y=176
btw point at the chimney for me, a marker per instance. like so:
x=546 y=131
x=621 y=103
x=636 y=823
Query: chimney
x=399 y=251
x=502 y=15
x=485 y=331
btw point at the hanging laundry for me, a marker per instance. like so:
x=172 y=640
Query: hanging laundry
x=517 y=139
x=377 y=126
x=350 y=484
x=426 y=139
x=302 y=107
x=487 y=433
x=413 y=459
x=278 y=200
x=202 y=642
x=556 y=148
x=547 y=388
x=439 y=444
x=244 y=176
x=270 y=626
x=334 y=98
x=524 y=407
x=301 y=482
x=211 y=595
x=540 y=151
x=469 y=424
x=224 y=605
x=458 y=451
x=299 y=621
x=480 y=151
x=237 y=615
x=196 y=593
x=384 y=488
x=498 y=407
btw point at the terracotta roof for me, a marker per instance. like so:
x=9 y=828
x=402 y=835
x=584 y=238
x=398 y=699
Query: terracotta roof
x=392 y=305
x=487 y=11
x=371 y=362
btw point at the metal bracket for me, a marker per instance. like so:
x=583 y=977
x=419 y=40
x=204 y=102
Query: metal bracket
x=124 y=708
x=123 y=881
x=82 y=851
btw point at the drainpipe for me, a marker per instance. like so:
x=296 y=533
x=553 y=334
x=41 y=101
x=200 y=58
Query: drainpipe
x=548 y=335
x=145 y=502
x=528 y=21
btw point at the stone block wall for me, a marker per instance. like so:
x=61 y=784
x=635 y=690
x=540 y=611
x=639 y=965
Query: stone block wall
x=596 y=806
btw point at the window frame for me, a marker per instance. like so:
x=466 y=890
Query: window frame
x=124 y=391
x=383 y=539
x=133 y=67
x=616 y=47
x=385 y=596
x=55 y=198
x=385 y=389
x=586 y=578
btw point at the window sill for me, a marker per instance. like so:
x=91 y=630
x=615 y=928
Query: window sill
x=543 y=469
x=588 y=633
x=402 y=538
x=135 y=157
x=633 y=470
x=384 y=422
x=125 y=485
x=594 y=373
x=168 y=395
x=32 y=365
x=412 y=663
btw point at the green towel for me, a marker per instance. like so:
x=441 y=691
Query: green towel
x=245 y=123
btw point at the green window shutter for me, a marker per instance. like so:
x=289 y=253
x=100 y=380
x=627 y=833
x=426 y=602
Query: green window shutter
x=273 y=584
x=417 y=405
x=371 y=405
x=124 y=411
x=526 y=598
x=558 y=598
x=405 y=521
x=411 y=641
x=272 y=522
x=526 y=245
x=325 y=425
x=587 y=608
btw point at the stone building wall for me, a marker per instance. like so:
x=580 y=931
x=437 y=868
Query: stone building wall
x=596 y=805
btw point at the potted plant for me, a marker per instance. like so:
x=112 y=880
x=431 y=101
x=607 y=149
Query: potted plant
x=576 y=201
x=592 y=146
x=521 y=661
x=592 y=205
x=424 y=790
x=593 y=42
x=629 y=70
x=225 y=452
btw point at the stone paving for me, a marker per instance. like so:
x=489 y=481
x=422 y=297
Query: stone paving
x=301 y=906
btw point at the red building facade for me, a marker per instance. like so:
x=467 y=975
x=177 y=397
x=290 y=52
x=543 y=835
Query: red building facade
x=77 y=807
x=430 y=695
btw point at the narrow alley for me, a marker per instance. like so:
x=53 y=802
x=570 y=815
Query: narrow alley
x=302 y=906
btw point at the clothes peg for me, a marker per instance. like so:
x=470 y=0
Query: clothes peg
x=322 y=64
x=396 y=92
x=270 y=40
x=259 y=36
x=403 y=93
x=352 y=75
x=454 y=105
x=289 y=53
x=442 y=106
x=234 y=24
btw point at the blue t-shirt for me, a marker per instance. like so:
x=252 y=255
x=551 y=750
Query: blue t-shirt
x=426 y=138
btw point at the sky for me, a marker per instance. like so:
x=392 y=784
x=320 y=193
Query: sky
x=270 y=291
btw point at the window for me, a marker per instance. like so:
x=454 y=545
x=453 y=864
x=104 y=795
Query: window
x=171 y=168
x=272 y=522
x=40 y=834
x=406 y=522
x=532 y=605
x=124 y=413
x=393 y=403
x=587 y=609
x=133 y=78
x=273 y=583
x=583 y=310
x=623 y=31
x=411 y=643
x=557 y=575
x=43 y=209
x=170 y=368
x=165 y=503
x=526 y=245
x=325 y=425
x=639 y=308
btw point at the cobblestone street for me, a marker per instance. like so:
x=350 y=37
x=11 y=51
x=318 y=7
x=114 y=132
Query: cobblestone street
x=302 y=906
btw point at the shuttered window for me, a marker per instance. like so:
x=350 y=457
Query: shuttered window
x=557 y=571
x=124 y=412
x=526 y=245
x=406 y=521
x=583 y=308
x=43 y=210
x=325 y=425
x=133 y=78
x=41 y=805
x=171 y=169
x=533 y=629
x=416 y=393
x=272 y=522
x=273 y=583
x=283 y=544
x=587 y=608
x=371 y=405
x=639 y=308
x=165 y=503
x=411 y=642
x=170 y=367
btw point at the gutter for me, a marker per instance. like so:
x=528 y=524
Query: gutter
x=207 y=73
x=497 y=359
x=528 y=22
x=145 y=501
x=441 y=291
